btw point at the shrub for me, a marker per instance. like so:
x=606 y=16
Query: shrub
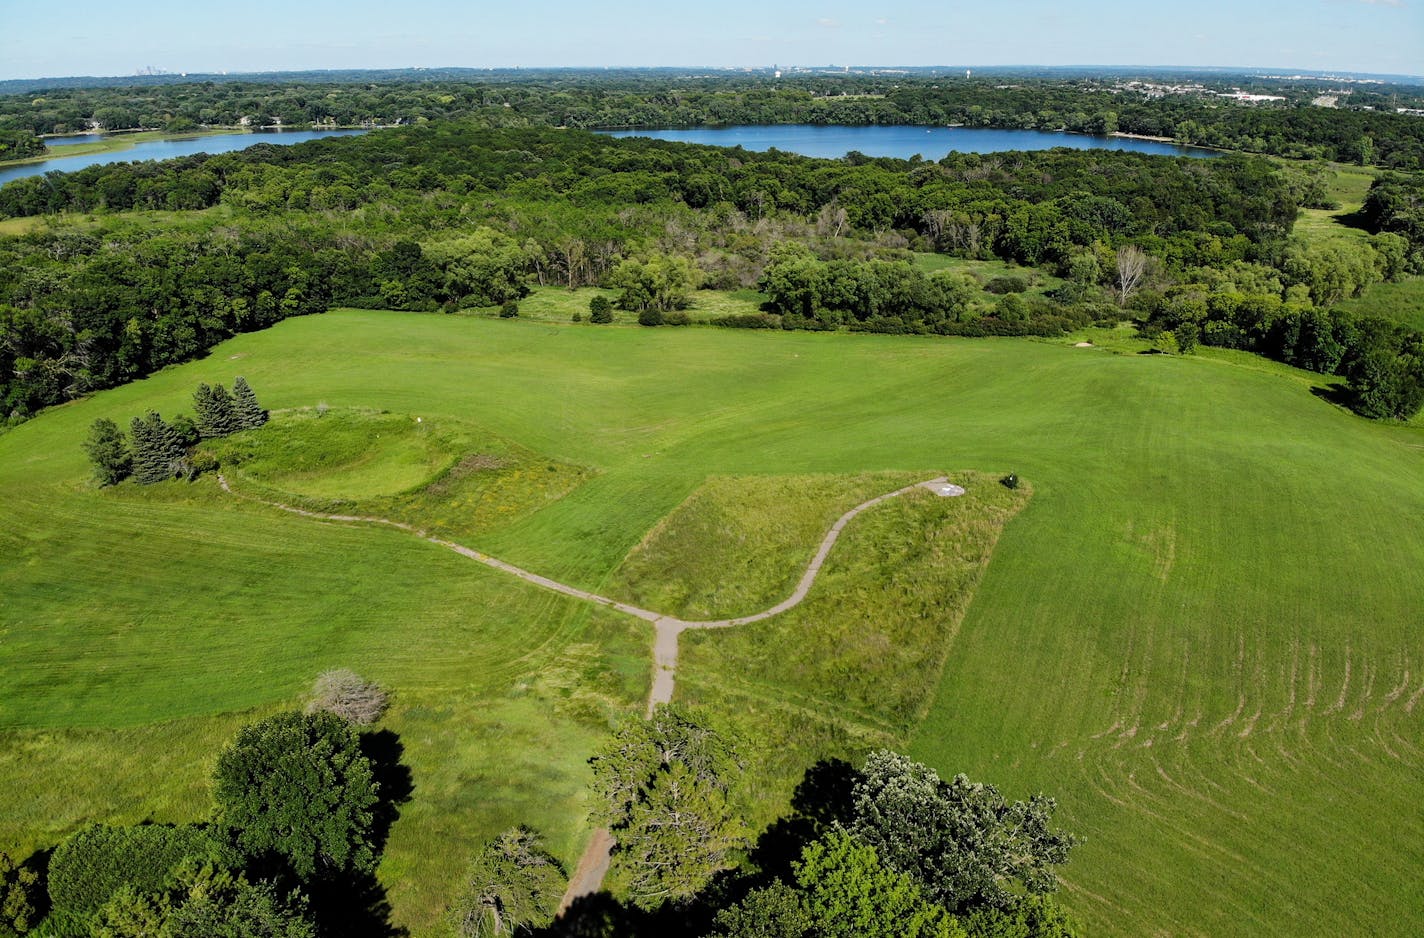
x=512 y=887
x=650 y=317
x=344 y=693
x=508 y=309
x=578 y=317
x=1006 y=284
x=676 y=319
x=19 y=896
x=600 y=310
x=96 y=862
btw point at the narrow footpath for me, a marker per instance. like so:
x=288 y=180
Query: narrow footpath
x=593 y=865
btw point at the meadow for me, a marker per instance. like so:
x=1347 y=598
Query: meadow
x=1200 y=632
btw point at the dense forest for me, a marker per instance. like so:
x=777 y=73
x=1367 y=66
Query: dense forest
x=1361 y=127
x=407 y=219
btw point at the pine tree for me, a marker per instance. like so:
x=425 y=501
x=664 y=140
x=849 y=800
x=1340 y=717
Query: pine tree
x=247 y=411
x=108 y=451
x=216 y=409
x=158 y=451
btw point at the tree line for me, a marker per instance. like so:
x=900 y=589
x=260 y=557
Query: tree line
x=1362 y=129
x=406 y=219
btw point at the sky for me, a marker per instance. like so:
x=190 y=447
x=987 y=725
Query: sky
x=104 y=37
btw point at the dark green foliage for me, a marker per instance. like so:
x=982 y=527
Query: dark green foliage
x=216 y=411
x=1388 y=384
x=513 y=885
x=158 y=450
x=966 y=845
x=296 y=788
x=108 y=450
x=1010 y=481
x=89 y=867
x=185 y=428
x=508 y=309
x=1188 y=334
x=600 y=309
x=650 y=317
x=247 y=412
x=775 y=911
x=1001 y=285
x=20 y=900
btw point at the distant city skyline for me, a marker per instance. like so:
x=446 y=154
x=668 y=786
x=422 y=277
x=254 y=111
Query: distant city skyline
x=86 y=37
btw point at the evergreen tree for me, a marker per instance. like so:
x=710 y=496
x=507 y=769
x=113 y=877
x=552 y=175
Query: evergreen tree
x=158 y=452
x=109 y=452
x=248 y=412
x=216 y=409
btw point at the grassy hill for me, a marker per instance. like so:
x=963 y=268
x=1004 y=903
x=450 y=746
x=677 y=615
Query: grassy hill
x=1200 y=633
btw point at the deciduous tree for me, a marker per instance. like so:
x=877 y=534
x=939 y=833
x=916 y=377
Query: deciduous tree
x=296 y=787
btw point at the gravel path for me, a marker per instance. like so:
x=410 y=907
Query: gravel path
x=593 y=865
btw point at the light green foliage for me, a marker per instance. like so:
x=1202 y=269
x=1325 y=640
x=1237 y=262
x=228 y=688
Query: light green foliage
x=512 y=886
x=109 y=452
x=204 y=902
x=627 y=766
x=850 y=893
x=679 y=834
x=658 y=285
x=964 y=842
x=661 y=785
x=297 y=786
x=483 y=267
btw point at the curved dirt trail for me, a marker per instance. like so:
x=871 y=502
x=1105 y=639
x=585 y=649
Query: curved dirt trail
x=593 y=865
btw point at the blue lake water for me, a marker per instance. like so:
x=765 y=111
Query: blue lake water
x=160 y=149
x=932 y=143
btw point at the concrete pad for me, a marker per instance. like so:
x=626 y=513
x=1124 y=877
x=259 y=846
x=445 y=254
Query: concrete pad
x=943 y=488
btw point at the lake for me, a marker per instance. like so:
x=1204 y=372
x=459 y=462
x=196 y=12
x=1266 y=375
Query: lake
x=159 y=149
x=932 y=143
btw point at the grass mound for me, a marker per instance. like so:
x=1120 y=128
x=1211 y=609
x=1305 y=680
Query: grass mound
x=438 y=474
x=858 y=663
x=739 y=544
x=340 y=454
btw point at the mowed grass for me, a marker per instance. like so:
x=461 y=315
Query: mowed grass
x=1206 y=542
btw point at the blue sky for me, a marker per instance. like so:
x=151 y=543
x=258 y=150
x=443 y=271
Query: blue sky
x=89 y=37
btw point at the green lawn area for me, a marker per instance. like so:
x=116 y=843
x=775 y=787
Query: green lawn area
x=1402 y=302
x=1200 y=633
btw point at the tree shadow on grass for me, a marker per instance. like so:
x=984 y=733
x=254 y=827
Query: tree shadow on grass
x=821 y=801
x=1337 y=394
x=355 y=904
x=395 y=783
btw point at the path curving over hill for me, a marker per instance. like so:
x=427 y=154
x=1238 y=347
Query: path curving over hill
x=593 y=865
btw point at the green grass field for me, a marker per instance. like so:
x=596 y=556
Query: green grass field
x=1200 y=633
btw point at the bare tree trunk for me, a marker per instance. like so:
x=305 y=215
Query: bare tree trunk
x=1131 y=268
